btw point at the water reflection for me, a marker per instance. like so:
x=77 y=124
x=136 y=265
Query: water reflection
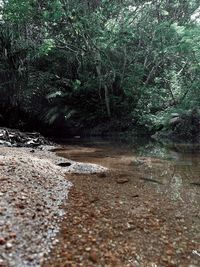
x=172 y=169
x=178 y=169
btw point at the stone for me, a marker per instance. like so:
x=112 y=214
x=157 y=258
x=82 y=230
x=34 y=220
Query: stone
x=93 y=257
x=2 y=241
x=122 y=180
x=9 y=245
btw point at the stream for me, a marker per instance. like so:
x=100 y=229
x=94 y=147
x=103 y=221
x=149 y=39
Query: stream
x=172 y=169
x=147 y=205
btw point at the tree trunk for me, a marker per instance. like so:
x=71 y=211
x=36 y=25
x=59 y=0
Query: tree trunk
x=107 y=101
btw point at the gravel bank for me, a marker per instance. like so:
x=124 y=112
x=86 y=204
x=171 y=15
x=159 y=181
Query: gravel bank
x=33 y=188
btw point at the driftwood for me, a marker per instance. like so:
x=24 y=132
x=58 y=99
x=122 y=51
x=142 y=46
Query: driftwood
x=10 y=137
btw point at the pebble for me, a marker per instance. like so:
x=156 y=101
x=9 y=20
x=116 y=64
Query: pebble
x=13 y=235
x=2 y=241
x=2 y=263
x=9 y=245
x=93 y=257
x=122 y=180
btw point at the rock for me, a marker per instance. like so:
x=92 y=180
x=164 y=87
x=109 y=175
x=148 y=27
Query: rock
x=85 y=168
x=13 y=235
x=2 y=263
x=32 y=143
x=30 y=258
x=20 y=206
x=2 y=241
x=1 y=211
x=122 y=180
x=4 y=143
x=93 y=257
x=9 y=245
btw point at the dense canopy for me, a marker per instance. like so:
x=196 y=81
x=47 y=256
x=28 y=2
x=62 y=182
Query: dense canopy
x=81 y=63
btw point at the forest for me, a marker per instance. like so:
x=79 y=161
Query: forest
x=100 y=64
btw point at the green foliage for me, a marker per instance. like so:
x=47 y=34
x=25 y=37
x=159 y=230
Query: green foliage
x=46 y=47
x=106 y=60
x=16 y=11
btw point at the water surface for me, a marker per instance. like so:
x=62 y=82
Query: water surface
x=145 y=211
x=172 y=169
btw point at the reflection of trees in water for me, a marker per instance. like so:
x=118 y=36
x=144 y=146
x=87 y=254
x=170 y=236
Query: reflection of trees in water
x=176 y=184
x=153 y=149
x=174 y=176
x=186 y=171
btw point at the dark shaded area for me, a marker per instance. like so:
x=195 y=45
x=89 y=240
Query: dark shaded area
x=98 y=67
x=64 y=164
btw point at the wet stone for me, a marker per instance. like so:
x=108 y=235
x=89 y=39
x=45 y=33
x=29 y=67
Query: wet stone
x=122 y=180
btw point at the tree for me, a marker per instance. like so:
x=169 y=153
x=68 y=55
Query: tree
x=105 y=60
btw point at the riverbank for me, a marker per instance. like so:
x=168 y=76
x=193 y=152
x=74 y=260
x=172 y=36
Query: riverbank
x=33 y=188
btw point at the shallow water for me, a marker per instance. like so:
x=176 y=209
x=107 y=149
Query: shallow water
x=153 y=187
x=172 y=169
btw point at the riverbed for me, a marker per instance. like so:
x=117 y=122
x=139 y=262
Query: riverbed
x=143 y=212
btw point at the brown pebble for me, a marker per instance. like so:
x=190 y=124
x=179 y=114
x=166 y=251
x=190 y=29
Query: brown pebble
x=93 y=257
x=20 y=206
x=2 y=241
x=2 y=263
x=13 y=235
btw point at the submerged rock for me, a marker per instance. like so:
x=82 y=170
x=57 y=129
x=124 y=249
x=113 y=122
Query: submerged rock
x=122 y=180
